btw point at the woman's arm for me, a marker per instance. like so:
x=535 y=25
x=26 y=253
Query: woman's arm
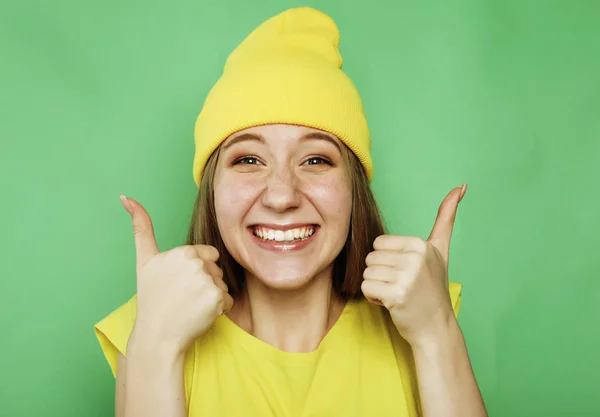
x=120 y=386
x=409 y=276
x=150 y=382
x=447 y=385
x=171 y=314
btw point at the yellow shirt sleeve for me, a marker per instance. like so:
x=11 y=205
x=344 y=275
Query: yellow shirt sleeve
x=114 y=330
x=455 y=296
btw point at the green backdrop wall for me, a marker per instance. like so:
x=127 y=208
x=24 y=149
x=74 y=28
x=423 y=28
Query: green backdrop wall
x=99 y=98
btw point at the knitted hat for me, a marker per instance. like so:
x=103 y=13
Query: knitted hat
x=288 y=70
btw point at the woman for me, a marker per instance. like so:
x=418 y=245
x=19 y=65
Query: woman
x=289 y=299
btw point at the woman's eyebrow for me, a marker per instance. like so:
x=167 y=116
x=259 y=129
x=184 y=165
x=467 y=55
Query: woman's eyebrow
x=241 y=138
x=252 y=136
x=320 y=136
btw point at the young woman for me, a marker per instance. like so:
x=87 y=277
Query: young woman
x=289 y=299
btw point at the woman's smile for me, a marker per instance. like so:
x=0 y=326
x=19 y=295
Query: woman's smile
x=283 y=238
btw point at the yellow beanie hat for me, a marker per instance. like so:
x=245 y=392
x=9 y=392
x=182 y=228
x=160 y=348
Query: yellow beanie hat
x=288 y=70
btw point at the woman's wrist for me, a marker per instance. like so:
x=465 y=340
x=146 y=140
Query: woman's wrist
x=145 y=342
x=442 y=332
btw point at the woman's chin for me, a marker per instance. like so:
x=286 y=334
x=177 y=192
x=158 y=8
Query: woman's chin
x=283 y=282
x=287 y=271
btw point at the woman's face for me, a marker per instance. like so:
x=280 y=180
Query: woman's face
x=283 y=202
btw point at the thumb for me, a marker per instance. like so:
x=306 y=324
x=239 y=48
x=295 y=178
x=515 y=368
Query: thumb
x=143 y=232
x=444 y=223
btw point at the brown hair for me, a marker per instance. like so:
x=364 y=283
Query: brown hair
x=365 y=225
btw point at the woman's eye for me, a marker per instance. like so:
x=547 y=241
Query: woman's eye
x=317 y=160
x=247 y=160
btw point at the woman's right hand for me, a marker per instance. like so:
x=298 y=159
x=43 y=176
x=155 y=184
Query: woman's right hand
x=180 y=292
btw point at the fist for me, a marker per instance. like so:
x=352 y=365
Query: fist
x=409 y=276
x=180 y=292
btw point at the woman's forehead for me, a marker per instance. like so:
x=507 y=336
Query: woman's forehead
x=281 y=131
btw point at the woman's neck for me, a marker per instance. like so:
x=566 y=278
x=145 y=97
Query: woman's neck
x=290 y=320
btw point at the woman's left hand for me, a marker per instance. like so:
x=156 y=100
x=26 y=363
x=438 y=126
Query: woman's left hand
x=409 y=276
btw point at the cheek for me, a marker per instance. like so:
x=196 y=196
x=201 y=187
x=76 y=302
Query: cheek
x=234 y=195
x=333 y=199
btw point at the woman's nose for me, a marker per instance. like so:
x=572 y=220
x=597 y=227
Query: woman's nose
x=281 y=193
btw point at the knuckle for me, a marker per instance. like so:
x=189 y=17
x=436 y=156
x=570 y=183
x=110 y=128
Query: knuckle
x=188 y=252
x=137 y=229
x=380 y=241
x=221 y=284
x=219 y=273
x=141 y=223
x=208 y=252
x=420 y=245
x=213 y=251
x=200 y=266
x=228 y=302
x=365 y=288
x=370 y=258
x=213 y=294
x=367 y=273
x=184 y=252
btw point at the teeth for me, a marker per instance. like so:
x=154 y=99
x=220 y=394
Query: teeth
x=284 y=236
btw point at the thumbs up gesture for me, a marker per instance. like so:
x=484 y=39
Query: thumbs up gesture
x=180 y=292
x=409 y=276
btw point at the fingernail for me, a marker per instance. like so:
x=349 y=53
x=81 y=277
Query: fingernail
x=126 y=204
x=463 y=191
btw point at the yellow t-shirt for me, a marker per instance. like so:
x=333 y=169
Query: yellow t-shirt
x=361 y=368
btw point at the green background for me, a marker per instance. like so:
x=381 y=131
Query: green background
x=100 y=98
